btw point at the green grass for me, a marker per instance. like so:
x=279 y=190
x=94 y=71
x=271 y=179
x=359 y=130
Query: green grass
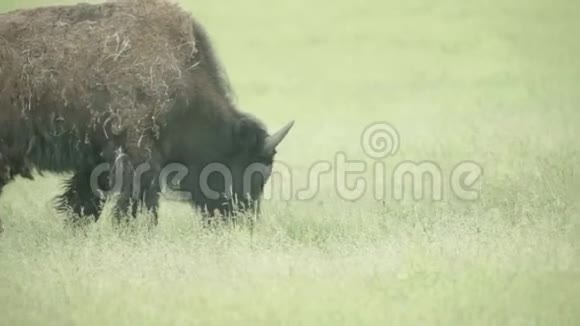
x=495 y=83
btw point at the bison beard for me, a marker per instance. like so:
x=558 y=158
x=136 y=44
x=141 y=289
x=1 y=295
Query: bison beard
x=126 y=83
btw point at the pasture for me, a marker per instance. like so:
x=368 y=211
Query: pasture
x=494 y=84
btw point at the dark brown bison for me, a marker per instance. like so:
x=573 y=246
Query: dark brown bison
x=115 y=93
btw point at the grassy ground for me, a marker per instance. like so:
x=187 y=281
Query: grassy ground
x=493 y=83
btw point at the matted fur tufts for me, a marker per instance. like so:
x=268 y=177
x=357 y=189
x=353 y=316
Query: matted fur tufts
x=125 y=61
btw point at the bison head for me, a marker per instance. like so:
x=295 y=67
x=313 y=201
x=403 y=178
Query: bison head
x=250 y=165
x=229 y=178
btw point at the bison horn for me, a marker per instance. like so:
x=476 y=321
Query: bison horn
x=274 y=140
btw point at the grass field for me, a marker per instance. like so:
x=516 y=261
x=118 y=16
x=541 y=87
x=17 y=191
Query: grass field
x=494 y=83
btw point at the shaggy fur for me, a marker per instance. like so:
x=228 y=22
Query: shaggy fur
x=123 y=83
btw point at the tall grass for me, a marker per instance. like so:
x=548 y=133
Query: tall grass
x=494 y=83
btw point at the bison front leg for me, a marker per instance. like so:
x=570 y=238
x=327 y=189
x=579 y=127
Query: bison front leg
x=134 y=184
x=151 y=198
x=80 y=199
x=121 y=177
x=147 y=189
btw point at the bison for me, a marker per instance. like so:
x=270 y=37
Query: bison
x=113 y=93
